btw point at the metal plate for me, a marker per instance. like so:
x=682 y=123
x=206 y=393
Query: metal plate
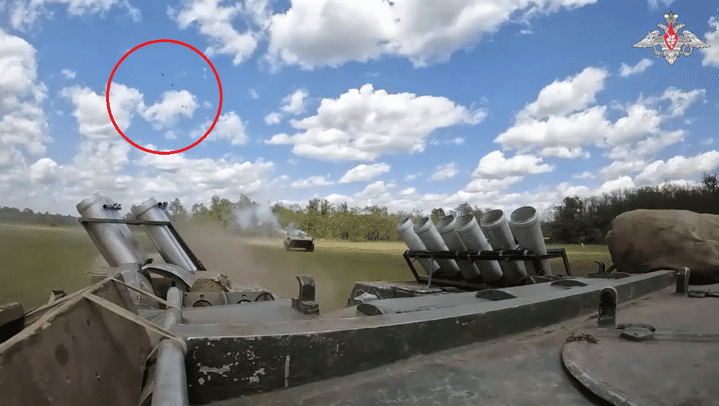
x=625 y=372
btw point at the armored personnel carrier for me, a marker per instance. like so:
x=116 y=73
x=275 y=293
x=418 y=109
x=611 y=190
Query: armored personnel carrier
x=483 y=320
x=299 y=239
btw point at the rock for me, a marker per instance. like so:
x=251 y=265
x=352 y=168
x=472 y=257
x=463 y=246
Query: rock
x=646 y=240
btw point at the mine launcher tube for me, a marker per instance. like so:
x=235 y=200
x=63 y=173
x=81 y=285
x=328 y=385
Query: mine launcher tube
x=429 y=235
x=166 y=243
x=495 y=226
x=405 y=229
x=446 y=229
x=116 y=243
x=524 y=223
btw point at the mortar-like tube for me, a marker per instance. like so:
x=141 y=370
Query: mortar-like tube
x=474 y=239
x=115 y=241
x=524 y=223
x=446 y=229
x=433 y=241
x=405 y=228
x=495 y=226
x=166 y=243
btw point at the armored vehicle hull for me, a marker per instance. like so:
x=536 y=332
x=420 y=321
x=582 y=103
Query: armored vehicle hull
x=164 y=334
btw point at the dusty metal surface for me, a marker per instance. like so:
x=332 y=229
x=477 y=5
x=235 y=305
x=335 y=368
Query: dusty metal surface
x=228 y=360
x=520 y=369
x=669 y=355
x=515 y=370
x=76 y=353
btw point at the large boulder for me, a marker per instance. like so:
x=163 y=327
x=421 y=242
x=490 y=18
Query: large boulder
x=647 y=240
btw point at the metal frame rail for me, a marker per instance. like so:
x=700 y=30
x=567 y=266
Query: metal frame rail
x=169 y=225
x=501 y=255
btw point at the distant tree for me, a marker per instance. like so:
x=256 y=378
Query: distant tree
x=325 y=207
x=437 y=215
x=313 y=206
x=177 y=212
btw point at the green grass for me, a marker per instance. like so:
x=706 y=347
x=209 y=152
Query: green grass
x=35 y=260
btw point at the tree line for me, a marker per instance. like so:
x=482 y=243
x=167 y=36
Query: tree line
x=27 y=216
x=588 y=219
x=575 y=220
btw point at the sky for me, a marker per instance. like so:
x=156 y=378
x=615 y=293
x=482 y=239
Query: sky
x=408 y=104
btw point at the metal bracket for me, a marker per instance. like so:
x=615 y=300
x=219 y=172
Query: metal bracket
x=305 y=301
x=607 y=308
x=683 y=280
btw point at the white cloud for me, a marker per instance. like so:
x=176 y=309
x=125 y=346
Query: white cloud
x=639 y=122
x=23 y=125
x=565 y=152
x=199 y=179
x=679 y=168
x=572 y=94
x=655 y=3
x=680 y=101
x=69 y=73
x=444 y=171
x=584 y=175
x=377 y=193
x=44 y=171
x=315 y=33
x=623 y=182
x=216 y=23
x=622 y=167
x=412 y=176
x=173 y=105
x=552 y=126
x=26 y=12
x=489 y=185
x=312 y=181
x=229 y=127
x=640 y=67
x=273 y=118
x=295 y=103
x=365 y=124
x=252 y=94
x=557 y=131
x=711 y=54
x=91 y=110
x=364 y=173
x=495 y=165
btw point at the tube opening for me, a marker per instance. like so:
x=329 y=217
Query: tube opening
x=446 y=224
x=523 y=215
x=404 y=224
x=492 y=218
x=464 y=221
x=424 y=224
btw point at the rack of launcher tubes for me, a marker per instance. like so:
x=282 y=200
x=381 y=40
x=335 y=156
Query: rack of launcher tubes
x=465 y=253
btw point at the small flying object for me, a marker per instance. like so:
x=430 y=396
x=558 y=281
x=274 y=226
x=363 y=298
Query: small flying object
x=162 y=74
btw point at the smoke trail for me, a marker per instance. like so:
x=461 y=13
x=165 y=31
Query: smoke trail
x=258 y=220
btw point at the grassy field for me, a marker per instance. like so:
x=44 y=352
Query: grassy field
x=36 y=260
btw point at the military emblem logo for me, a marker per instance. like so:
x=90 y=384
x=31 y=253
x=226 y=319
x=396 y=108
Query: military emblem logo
x=671 y=44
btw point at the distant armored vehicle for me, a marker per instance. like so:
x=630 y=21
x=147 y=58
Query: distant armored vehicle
x=299 y=239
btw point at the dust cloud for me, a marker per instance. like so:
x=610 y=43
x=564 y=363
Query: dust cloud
x=243 y=259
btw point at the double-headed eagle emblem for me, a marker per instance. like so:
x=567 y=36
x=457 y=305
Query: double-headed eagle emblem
x=670 y=44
